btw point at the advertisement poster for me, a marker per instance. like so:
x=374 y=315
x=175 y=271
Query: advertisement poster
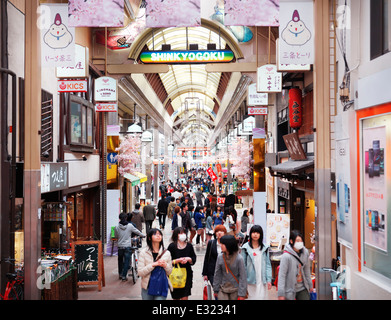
x=375 y=195
x=251 y=13
x=173 y=13
x=96 y=13
x=57 y=37
x=277 y=227
x=296 y=42
x=343 y=190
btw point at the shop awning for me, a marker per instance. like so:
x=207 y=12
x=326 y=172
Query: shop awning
x=141 y=176
x=133 y=179
x=293 y=166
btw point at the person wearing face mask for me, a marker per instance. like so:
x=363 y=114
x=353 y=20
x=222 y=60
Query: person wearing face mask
x=182 y=252
x=294 y=276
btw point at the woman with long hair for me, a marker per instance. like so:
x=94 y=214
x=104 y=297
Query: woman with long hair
x=152 y=256
x=230 y=281
x=257 y=263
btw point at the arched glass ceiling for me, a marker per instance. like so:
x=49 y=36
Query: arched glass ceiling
x=187 y=76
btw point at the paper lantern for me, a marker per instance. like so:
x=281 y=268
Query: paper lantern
x=295 y=108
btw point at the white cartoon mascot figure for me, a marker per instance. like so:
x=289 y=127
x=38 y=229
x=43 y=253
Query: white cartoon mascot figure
x=296 y=33
x=58 y=36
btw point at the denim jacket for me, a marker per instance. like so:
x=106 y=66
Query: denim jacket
x=247 y=253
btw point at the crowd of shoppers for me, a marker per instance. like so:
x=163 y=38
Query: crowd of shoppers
x=236 y=270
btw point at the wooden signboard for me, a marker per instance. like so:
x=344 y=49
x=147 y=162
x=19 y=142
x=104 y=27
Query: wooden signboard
x=293 y=144
x=88 y=259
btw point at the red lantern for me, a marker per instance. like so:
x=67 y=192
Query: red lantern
x=295 y=108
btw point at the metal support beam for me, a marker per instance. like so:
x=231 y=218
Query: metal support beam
x=322 y=147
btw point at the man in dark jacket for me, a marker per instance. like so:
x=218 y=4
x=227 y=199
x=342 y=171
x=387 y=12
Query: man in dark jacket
x=162 y=211
x=136 y=217
x=149 y=214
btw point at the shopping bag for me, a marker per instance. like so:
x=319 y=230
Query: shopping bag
x=158 y=282
x=207 y=291
x=178 y=277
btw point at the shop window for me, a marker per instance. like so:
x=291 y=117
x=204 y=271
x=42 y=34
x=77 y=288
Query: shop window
x=380 y=27
x=376 y=193
x=80 y=124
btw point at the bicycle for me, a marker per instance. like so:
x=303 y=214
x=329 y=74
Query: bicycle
x=133 y=270
x=14 y=289
x=337 y=284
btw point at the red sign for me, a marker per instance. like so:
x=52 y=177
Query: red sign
x=72 y=86
x=218 y=166
x=220 y=200
x=257 y=111
x=211 y=174
x=106 y=107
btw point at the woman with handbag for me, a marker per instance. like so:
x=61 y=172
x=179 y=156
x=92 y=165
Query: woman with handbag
x=152 y=259
x=183 y=256
x=230 y=279
x=258 y=266
x=213 y=249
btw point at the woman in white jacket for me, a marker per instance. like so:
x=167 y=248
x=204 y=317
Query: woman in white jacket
x=147 y=262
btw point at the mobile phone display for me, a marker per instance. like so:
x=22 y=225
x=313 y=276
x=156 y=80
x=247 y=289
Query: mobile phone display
x=381 y=160
x=376 y=158
x=370 y=162
x=375 y=223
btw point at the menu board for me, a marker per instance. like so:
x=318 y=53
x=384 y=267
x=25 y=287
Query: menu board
x=277 y=228
x=88 y=262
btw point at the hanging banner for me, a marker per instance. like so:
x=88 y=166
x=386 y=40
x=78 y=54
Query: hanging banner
x=57 y=38
x=211 y=173
x=251 y=13
x=173 y=13
x=268 y=79
x=296 y=32
x=122 y=38
x=187 y=57
x=96 y=13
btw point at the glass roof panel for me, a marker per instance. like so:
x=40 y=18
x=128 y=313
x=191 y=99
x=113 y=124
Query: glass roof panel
x=189 y=81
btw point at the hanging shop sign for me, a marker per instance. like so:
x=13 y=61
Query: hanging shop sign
x=295 y=108
x=54 y=177
x=293 y=144
x=187 y=57
x=106 y=107
x=255 y=98
x=296 y=32
x=268 y=79
x=106 y=89
x=57 y=37
x=72 y=85
x=80 y=68
x=283 y=67
x=257 y=111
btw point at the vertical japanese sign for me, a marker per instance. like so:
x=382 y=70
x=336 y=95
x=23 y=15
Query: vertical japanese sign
x=268 y=79
x=251 y=13
x=296 y=32
x=96 y=13
x=57 y=38
x=211 y=174
x=173 y=13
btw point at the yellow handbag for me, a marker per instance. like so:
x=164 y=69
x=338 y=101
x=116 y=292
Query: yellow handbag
x=178 y=277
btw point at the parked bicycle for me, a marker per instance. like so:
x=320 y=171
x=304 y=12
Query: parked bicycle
x=338 y=283
x=14 y=289
x=133 y=270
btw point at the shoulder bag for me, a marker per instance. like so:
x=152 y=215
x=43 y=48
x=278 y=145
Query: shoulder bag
x=228 y=269
x=158 y=282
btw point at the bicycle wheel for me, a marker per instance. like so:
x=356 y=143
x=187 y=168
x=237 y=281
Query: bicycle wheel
x=16 y=293
x=134 y=268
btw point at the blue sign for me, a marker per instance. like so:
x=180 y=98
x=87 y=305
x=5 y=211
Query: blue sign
x=112 y=157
